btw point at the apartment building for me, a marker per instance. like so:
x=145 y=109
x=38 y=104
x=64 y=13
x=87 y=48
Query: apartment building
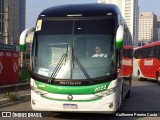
x=158 y=27
x=130 y=12
x=147 y=27
x=12 y=20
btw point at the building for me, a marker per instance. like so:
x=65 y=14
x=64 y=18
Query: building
x=130 y=12
x=22 y=16
x=158 y=26
x=12 y=20
x=1 y=20
x=147 y=27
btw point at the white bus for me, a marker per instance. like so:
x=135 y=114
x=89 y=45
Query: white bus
x=65 y=75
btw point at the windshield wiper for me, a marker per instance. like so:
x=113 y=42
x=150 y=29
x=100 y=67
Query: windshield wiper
x=82 y=68
x=57 y=68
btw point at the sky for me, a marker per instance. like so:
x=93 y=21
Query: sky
x=35 y=7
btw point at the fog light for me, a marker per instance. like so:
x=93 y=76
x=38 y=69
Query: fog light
x=110 y=105
x=33 y=102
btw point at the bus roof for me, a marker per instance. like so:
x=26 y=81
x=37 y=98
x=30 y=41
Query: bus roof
x=83 y=10
x=157 y=43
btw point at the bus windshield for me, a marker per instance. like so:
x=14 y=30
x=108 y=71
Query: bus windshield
x=74 y=49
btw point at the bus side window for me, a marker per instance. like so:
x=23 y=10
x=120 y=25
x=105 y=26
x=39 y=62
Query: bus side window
x=140 y=53
x=150 y=52
x=158 y=52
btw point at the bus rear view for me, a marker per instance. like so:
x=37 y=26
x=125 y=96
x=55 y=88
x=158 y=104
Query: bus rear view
x=75 y=57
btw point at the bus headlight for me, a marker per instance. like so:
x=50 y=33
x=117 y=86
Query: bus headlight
x=38 y=91
x=106 y=92
x=34 y=88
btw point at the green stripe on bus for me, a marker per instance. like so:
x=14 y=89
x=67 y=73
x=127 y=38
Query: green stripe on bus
x=72 y=89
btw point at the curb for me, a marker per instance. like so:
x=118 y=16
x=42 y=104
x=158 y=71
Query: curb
x=15 y=85
x=21 y=98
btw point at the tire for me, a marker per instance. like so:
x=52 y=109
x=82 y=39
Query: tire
x=120 y=99
x=158 y=78
x=138 y=74
x=128 y=93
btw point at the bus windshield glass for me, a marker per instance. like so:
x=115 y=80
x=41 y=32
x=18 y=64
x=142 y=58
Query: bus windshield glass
x=74 y=49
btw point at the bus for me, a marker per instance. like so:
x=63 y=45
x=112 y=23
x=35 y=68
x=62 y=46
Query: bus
x=147 y=61
x=65 y=77
x=127 y=62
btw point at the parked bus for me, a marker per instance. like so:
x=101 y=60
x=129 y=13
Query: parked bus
x=65 y=75
x=147 y=59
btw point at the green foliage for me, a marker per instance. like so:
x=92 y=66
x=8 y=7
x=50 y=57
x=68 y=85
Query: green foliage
x=24 y=74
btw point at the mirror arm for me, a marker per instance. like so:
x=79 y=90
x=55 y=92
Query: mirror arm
x=23 y=38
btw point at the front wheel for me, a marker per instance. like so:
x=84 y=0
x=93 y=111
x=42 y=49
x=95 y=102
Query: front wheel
x=158 y=78
x=129 y=92
x=138 y=74
x=120 y=99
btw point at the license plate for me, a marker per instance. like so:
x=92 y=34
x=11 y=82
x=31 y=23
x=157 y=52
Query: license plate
x=70 y=106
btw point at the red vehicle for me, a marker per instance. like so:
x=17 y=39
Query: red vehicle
x=127 y=62
x=148 y=61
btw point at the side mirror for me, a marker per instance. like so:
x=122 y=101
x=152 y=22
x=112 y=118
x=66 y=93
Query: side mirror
x=22 y=40
x=119 y=37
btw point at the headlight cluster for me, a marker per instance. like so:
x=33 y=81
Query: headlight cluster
x=34 y=88
x=38 y=91
x=106 y=92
